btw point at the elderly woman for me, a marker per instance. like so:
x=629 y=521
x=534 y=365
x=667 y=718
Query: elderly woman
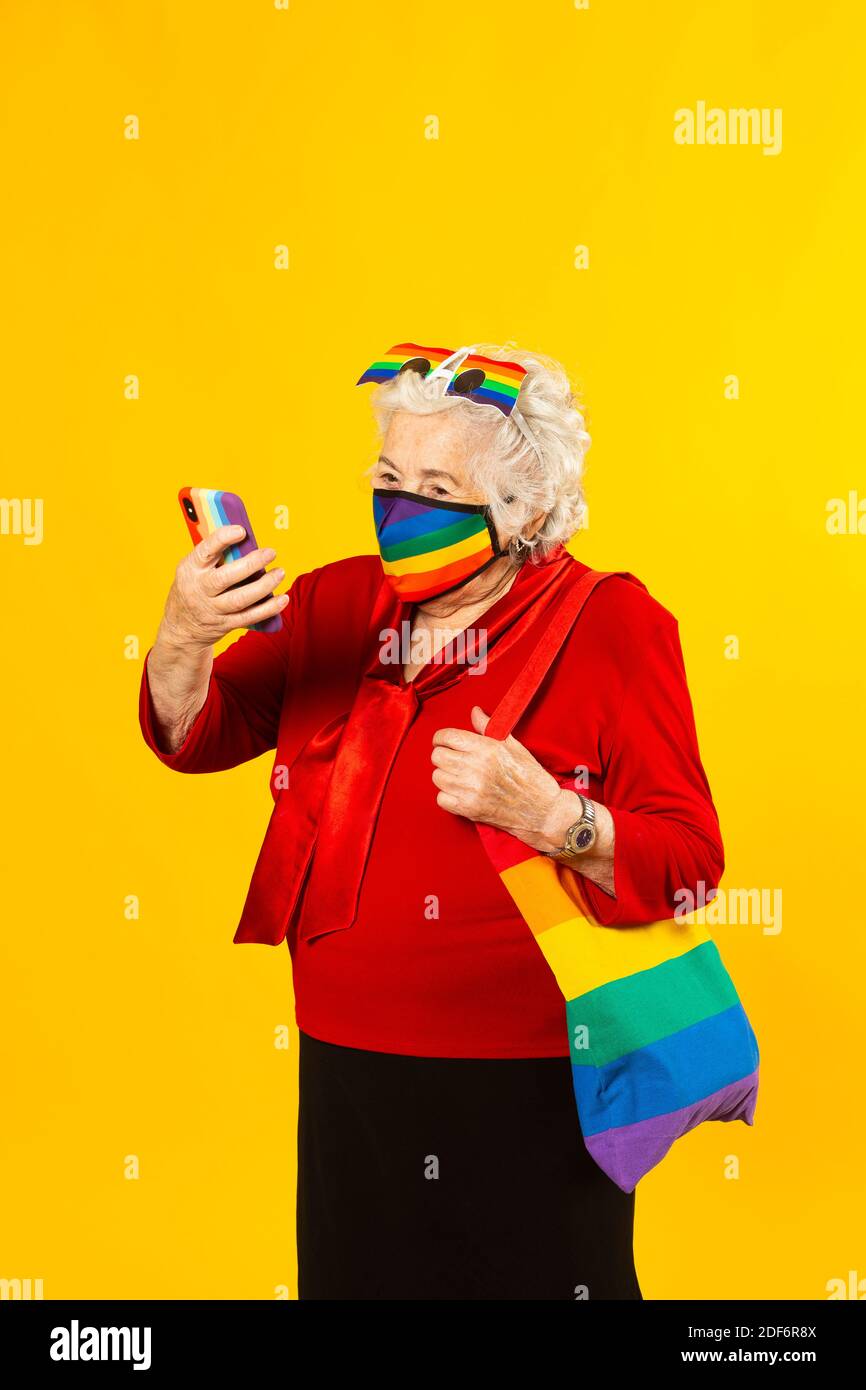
x=439 y=1151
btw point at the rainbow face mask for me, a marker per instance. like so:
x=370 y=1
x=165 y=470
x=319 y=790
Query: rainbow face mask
x=430 y=547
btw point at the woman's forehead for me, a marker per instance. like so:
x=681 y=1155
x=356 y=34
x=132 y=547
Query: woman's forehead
x=434 y=441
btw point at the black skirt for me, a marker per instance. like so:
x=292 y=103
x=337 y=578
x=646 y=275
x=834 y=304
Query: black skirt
x=441 y=1178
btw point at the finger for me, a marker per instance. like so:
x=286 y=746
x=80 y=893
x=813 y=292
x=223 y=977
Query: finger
x=448 y=802
x=480 y=720
x=250 y=616
x=235 y=600
x=446 y=781
x=225 y=576
x=456 y=738
x=447 y=757
x=208 y=551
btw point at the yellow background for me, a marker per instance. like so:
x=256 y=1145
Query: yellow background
x=155 y=257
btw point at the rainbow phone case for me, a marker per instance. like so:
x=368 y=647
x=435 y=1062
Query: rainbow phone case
x=212 y=509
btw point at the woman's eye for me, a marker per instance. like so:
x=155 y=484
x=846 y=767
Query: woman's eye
x=437 y=491
x=388 y=478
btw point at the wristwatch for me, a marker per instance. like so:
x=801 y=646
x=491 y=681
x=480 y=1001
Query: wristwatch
x=580 y=836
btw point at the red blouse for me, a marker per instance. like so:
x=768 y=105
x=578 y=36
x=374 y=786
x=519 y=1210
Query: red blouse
x=437 y=961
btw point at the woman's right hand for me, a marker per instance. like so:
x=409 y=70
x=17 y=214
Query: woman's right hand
x=202 y=605
x=201 y=608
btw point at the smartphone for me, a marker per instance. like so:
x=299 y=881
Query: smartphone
x=204 y=511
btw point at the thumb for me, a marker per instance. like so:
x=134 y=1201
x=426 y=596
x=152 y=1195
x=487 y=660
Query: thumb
x=480 y=720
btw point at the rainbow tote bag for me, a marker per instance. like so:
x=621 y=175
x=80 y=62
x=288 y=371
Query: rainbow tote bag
x=658 y=1038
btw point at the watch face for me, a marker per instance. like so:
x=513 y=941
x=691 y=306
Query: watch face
x=578 y=840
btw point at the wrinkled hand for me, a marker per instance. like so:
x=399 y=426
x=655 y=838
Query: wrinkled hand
x=204 y=605
x=499 y=782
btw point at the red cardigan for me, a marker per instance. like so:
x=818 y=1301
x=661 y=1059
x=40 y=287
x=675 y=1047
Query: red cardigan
x=428 y=955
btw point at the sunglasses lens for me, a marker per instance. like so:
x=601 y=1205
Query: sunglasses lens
x=416 y=364
x=467 y=382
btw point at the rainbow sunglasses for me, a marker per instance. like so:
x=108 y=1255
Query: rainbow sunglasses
x=480 y=379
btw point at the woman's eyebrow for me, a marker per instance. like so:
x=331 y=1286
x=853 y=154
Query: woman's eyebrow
x=437 y=473
x=425 y=472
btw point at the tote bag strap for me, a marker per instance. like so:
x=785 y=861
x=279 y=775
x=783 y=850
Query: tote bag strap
x=564 y=616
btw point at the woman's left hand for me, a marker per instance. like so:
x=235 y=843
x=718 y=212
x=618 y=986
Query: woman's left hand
x=499 y=782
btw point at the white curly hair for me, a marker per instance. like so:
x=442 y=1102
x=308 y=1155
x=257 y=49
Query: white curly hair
x=517 y=481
